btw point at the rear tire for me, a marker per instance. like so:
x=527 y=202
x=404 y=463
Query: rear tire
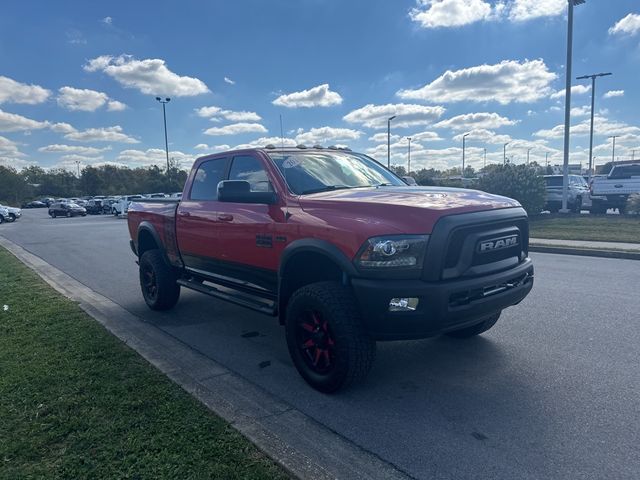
x=12 y=217
x=327 y=341
x=68 y=214
x=1 y=219
x=53 y=214
x=577 y=208
x=158 y=281
x=476 y=329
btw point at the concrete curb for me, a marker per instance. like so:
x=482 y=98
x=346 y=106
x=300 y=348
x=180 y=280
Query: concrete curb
x=586 y=252
x=302 y=446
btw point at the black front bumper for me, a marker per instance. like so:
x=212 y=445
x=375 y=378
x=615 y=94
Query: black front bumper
x=443 y=306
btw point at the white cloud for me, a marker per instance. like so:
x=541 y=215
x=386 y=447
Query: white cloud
x=104 y=134
x=326 y=135
x=12 y=122
x=72 y=149
x=62 y=128
x=601 y=126
x=575 y=90
x=614 y=93
x=150 y=76
x=475 y=120
x=264 y=141
x=81 y=99
x=425 y=137
x=9 y=148
x=74 y=157
x=407 y=115
x=236 y=128
x=629 y=25
x=212 y=148
x=455 y=13
x=16 y=92
x=483 y=135
x=505 y=82
x=523 y=10
x=116 y=106
x=449 y=13
x=320 y=96
x=217 y=113
x=107 y=21
x=153 y=156
x=581 y=111
x=382 y=137
x=229 y=81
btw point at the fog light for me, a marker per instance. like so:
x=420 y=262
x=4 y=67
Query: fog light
x=403 y=304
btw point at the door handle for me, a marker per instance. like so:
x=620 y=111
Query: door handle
x=184 y=214
x=225 y=217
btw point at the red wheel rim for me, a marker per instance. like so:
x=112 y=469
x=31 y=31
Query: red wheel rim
x=316 y=342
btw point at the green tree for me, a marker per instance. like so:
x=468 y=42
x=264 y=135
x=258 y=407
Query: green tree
x=516 y=181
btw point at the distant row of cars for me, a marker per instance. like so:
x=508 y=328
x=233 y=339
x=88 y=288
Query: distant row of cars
x=98 y=205
x=602 y=193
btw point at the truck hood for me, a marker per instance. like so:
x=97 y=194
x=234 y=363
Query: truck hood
x=405 y=209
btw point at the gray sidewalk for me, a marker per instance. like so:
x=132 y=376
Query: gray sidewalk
x=629 y=251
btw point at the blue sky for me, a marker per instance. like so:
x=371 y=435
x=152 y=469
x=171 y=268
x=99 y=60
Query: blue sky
x=78 y=79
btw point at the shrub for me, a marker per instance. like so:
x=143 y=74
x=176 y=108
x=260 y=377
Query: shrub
x=633 y=204
x=516 y=181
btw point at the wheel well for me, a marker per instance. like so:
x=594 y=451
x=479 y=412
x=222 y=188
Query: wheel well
x=146 y=242
x=302 y=269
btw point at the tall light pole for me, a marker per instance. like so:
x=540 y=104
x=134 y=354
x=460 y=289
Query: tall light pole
x=567 y=105
x=464 y=140
x=409 y=157
x=78 y=165
x=546 y=158
x=613 y=151
x=528 y=151
x=389 y=141
x=485 y=158
x=164 y=115
x=593 y=96
x=504 y=153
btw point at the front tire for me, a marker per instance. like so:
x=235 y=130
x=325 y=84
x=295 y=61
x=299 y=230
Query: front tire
x=327 y=341
x=12 y=217
x=158 y=281
x=53 y=214
x=476 y=329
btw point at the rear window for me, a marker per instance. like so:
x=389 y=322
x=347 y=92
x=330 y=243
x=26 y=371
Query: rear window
x=626 y=171
x=553 y=181
x=206 y=179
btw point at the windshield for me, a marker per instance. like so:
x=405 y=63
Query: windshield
x=311 y=172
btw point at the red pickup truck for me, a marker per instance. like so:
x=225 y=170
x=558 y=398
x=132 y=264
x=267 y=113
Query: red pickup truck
x=336 y=246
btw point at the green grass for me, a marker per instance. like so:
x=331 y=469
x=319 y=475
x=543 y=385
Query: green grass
x=76 y=403
x=604 y=228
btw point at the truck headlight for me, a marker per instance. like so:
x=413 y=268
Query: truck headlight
x=393 y=251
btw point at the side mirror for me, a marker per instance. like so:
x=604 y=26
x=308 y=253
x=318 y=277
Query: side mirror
x=239 y=191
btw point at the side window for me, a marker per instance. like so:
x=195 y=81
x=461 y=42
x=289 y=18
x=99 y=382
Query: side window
x=206 y=179
x=251 y=170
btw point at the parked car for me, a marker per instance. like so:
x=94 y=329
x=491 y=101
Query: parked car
x=337 y=247
x=4 y=215
x=176 y=195
x=122 y=205
x=66 y=210
x=34 y=204
x=107 y=205
x=48 y=201
x=14 y=213
x=155 y=195
x=613 y=190
x=577 y=193
x=94 y=207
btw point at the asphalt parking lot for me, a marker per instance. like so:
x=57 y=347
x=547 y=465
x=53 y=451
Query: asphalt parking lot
x=553 y=391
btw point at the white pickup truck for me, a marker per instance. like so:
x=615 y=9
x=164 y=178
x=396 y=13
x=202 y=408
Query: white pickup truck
x=613 y=190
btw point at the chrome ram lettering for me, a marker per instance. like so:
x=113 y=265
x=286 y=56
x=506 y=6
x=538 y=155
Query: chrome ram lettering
x=497 y=244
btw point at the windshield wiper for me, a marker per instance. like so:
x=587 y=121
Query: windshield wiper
x=326 y=188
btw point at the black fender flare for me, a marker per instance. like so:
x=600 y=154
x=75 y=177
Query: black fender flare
x=311 y=245
x=147 y=227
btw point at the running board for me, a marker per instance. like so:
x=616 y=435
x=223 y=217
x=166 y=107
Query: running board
x=259 y=304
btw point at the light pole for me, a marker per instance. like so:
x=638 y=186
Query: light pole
x=593 y=96
x=409 y=157
x=164 y=115
x=485 y=158
x=389 y=141
x=613 y=151
x=78 y=165
x=546 y=158
x=567 y=105
x=464 y=139
x=504 y=153
x=528 y=151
